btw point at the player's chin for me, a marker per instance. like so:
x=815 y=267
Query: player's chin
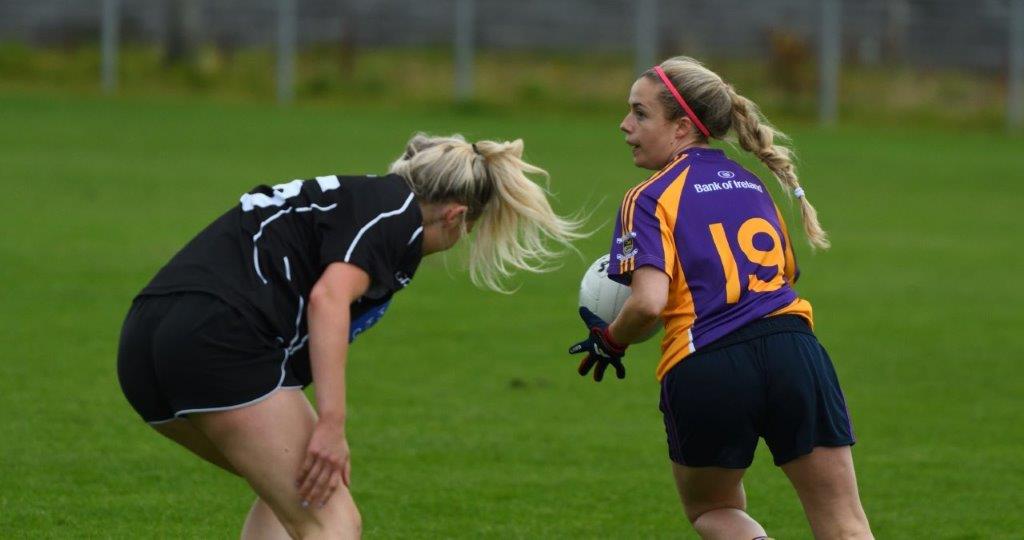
x=641 y=161
x=638 y=158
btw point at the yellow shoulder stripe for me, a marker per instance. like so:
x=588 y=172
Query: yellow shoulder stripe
x=629 y=201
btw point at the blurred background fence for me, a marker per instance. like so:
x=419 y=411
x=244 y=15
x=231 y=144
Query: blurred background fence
x=820 y=57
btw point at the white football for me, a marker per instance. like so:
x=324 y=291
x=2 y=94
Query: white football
x=605 y=297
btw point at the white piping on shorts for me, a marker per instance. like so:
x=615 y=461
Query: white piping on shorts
x=295 y=345
x=689 y=334
x=179 y=414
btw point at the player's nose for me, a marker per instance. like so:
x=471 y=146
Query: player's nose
x=624 y=125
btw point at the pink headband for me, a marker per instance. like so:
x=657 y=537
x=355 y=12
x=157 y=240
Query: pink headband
x=679 y=99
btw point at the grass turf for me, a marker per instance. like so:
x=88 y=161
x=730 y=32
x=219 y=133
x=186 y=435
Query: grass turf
x=466 y=416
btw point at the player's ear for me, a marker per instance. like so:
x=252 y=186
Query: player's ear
x=683 y=126
x=454 y=213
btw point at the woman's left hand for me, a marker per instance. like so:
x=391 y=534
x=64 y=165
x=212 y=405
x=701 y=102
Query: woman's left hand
x=327 y=463
x=601 y=349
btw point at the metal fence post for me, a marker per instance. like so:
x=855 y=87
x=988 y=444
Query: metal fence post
x=465 y=31
x=828 y=62
x=645 y=35
x=286 y=37
x=1015 y=88
x=111 y=36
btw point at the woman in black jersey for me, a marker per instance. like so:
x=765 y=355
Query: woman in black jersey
x=215 y=350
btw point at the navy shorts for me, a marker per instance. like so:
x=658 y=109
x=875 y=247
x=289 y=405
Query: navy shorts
x=185 y=353
x=769 y=379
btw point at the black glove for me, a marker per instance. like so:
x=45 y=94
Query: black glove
x=601 y=349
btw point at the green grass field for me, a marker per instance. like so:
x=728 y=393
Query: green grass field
x=467 y=419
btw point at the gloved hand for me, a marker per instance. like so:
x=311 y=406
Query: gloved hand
x=601 y=349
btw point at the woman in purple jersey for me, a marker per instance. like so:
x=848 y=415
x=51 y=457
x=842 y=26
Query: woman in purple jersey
x=705 y=249
x=264 y=301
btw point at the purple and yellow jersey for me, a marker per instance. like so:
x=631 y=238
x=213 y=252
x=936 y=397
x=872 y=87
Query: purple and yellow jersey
x=713 y=228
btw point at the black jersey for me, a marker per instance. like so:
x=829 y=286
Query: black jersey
x=264 y=256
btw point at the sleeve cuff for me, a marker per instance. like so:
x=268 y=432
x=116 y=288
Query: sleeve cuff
x=645 y=260
x=650 y=260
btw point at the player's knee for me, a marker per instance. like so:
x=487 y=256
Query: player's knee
x=697 y=503
x=353 y=521
x=338 y=519
x=694 y=510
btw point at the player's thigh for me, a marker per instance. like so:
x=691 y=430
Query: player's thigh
x=826 y=483
x=181 y=431
x=707 y=488
x=261 y=522
x=266 y=443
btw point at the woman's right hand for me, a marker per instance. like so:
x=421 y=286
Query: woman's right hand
x=327 y=464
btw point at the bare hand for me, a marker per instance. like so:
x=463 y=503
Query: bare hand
x=326 y=465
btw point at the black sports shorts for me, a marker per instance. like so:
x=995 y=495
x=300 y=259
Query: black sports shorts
x=770 y=379
x=190 y=352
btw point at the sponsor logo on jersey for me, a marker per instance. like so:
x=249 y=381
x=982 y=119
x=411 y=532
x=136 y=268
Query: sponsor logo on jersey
x=726 y=174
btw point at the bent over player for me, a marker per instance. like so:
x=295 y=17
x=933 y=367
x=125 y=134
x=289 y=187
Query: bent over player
x=705 y=249
x=216 y=349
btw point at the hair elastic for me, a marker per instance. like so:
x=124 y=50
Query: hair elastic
x=475 y=151
x=682 y=102
x=798 y=193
